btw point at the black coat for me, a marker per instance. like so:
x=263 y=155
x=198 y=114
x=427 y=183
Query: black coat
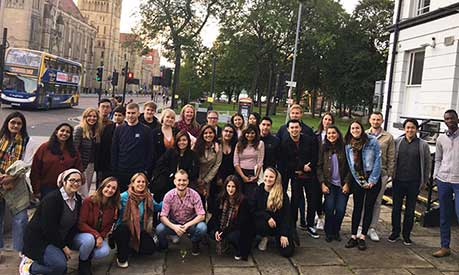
x=158 y=141
x=294 y=157
x=242 y=222
x=167 y=165
x=43 y=228
x=103 y=150
x=272 y=146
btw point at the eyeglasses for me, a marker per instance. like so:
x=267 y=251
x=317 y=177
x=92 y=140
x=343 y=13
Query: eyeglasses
x=75 y=181
x=228 y=131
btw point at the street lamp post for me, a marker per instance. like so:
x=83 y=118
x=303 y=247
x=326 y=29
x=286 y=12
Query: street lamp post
x=212 y=83
x=289 y=100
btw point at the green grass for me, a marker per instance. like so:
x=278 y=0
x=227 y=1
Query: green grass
x=279 y=118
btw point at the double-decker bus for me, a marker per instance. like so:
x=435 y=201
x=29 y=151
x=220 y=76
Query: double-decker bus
x=38 y=80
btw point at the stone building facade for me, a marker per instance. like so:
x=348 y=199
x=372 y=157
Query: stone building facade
x=105 y=15
x=53 y=26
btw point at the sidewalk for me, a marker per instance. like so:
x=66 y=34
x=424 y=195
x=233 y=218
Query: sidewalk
x=312 y=257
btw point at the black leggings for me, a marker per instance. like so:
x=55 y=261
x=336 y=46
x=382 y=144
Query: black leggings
x=264 y=230
x=363 y=198
x=122 y=237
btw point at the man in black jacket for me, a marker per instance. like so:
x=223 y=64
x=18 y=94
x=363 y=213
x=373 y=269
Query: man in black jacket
x=296 y=113
x=272 y=143
x=299 y=158
x=132 y=148
x=103 y=149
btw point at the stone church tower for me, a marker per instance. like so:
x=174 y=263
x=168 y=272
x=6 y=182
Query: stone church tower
x=105 y=15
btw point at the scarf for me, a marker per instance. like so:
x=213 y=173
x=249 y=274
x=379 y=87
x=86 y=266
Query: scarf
x=11 y=150
x=131 y=215
x=229 y=213
x=357 y=146
x=194 y=131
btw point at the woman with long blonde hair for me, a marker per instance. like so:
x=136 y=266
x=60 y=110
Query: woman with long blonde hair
x=188 y=121
x=85 y=138
x=272 y=213
x=164 y=136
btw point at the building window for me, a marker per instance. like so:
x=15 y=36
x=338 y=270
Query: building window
x=422 y=6
x=416 y=68
x=102 y=54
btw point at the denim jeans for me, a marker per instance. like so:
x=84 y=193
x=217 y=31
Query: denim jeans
x=54 y=262
x=196 y=232
x=445 y=196
x=18 y=225
x=86 y=244
x=401 y=190
x=335 y=209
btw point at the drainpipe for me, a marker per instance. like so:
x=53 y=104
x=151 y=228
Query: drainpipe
x=392 y=63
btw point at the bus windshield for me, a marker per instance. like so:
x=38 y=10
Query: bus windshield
x=20 y=83
x=23 y=58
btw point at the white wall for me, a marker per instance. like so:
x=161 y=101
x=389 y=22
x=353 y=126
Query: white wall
x=440 y=80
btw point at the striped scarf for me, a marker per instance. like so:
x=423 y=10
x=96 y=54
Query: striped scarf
x=11 y=151
x=229 y=213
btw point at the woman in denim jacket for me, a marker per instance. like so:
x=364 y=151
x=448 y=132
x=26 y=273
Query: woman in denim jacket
x=363 y=155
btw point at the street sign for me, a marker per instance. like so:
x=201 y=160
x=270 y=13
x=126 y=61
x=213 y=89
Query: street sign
x=291 y=84
x=290 y=101
x=210 y=99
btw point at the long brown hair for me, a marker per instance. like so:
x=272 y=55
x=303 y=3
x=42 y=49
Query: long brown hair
x=243 y=142
x=237 y=195
x=97 y=197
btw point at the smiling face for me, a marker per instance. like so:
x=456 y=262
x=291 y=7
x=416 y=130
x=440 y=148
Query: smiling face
x=182 y=143
x=410 y=130
x=169 y=119
x=269 y=178
x=376 y=121
x=252 y=119
x=181 y=181
x=227 y=133
x=188 y=114
x=15 y=125
x=209 y=135
x=332 y=135
x=238 y=121
x=212 y=119
x=149 y=113
x=63 y=133
x=118 y=118
x=231 y=188
x=139 y=184
x=295 y=113
x=91 y=119
x=72 y=184
x=294 y=129
x=356 y=130
x=110 y=189
x=327 y=121
x=451 y=121
x=250 y=136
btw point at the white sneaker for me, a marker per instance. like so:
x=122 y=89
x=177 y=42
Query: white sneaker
x=263 y=244
x=373 y=235
x=359 y=232
x=320 y=223
x=24 y=266
x=175 y=239
x=122 y=264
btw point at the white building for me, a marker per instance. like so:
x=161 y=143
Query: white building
x=425 y=77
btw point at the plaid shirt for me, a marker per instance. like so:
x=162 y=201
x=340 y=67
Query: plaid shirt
x=182 y=210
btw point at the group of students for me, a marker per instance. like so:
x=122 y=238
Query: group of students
x=159 y=180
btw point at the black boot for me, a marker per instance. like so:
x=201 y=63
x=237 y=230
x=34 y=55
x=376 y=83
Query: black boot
x=84 y=267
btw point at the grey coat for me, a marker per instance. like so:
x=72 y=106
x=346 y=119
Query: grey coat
x=426 y=159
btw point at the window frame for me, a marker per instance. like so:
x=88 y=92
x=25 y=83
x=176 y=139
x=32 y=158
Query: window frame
x=411 y=65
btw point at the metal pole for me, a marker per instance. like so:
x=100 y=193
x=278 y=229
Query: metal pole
x=300 y=7
x=125 y=82
x=100 y=90
x=212 y=83
x=2 y=62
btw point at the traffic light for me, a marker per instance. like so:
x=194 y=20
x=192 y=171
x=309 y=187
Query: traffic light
x=123 y=72
x=100 y=73
x=115 y=78
x=130 y=77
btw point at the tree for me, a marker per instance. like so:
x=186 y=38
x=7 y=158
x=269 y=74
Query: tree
x=176 y=23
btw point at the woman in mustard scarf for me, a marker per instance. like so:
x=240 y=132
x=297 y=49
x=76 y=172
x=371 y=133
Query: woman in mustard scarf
x=13 y=142
x=137 y=207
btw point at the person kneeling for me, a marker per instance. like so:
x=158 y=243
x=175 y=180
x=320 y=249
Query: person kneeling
x=97 y=216
x=272 y=213
x=231 y=222
x=137 y=208
x=182 y=212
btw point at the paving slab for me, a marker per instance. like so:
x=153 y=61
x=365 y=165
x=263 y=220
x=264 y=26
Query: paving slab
x=380 y=256
x=236 y=271
x=314 y=270
x=190 y=264
x=151 y=265
x=424 y=271
x=229 y=261
x=385 y=271
x=450 y=263
x=269 y=262
x=316 y=256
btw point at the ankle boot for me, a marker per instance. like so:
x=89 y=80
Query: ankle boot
x=84 y=267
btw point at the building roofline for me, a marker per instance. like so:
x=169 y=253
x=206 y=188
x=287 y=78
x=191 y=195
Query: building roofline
x=427 y=17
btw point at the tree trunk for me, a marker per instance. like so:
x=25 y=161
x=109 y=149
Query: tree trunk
x=176 y=84
x=313 y=103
